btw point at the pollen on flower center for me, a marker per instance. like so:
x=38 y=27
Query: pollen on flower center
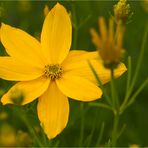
x=53 y=71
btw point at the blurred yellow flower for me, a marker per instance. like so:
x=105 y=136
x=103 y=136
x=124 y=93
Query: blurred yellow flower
x=49 y=71
x=7 y=136
x=109 y=43
x=23 y=139
x=3 y=115
x=134 y=146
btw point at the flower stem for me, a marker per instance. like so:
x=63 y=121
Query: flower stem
x=139 y=63
x=100 y=135
x=137 y=92
x=113 y=91
x=116 y=110
x=129 y=73
x=99 y=104
x=115 y=129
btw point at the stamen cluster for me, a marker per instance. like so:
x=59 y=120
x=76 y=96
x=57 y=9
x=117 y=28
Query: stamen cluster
x=53 y=71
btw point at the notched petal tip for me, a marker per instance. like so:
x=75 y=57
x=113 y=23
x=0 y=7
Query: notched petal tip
x=121 y=69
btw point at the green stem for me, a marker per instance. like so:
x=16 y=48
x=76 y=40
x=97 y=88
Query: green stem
x=116 y=110
x=82 y=124
x=44 y=138
x=115 y=129
x=121 y=131
x=103 y=105
x=137 y=93
x=90 y=137
x=129 y=73
x=114 y=92
x=100 y=135
x=128 y=94
x=140 y=58
x=75 y=36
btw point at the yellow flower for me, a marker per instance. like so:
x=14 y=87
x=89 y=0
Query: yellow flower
x=48 y=71
x=109 y=43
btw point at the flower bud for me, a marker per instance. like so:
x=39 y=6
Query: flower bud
x=121 y=11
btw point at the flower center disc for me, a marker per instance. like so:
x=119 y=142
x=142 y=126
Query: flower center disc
x=53 y=71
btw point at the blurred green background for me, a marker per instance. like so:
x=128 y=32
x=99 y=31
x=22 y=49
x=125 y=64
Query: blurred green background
x=28 y=15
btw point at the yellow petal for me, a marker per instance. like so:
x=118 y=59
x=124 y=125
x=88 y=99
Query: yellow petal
x=120 y=33
x=78 y=88
x=103 y=28
x=77 y=64
x=12 y=69
x=111 y=30
x=21 y=45
x=75 y=56
x=96 y=39
x=30 y=90
x=56 y=34
x=53 y=111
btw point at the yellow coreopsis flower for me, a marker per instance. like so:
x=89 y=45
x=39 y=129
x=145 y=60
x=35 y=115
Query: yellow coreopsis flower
x=109 y=42
x=49 y=71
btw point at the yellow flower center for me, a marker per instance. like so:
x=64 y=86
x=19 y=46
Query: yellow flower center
x=53 y=71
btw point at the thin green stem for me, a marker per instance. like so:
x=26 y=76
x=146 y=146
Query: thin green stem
x=140 y=58
x=122 y=130
x=137 y=93
x=84 y=21
x=128 y=94
x=75 y=36
x=100 y=135
x=100 y=84
x=116 y=110
x=89 y=138
x=44 y=138
x=115 y=130
x=100 y=105
x=113 y=91
x=82 y=124
x=129 y=73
